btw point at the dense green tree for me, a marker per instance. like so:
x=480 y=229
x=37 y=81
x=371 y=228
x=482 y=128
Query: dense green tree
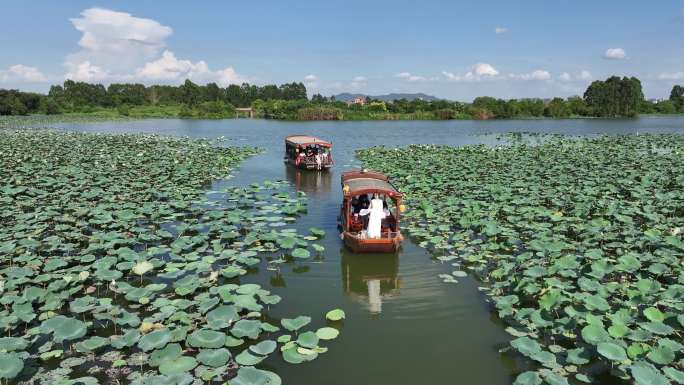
x=677 y=97
x=614 y=97
x=557 y=108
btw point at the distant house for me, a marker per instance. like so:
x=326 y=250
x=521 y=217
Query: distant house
x=358 y=100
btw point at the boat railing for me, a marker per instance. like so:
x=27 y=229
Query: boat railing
x=385 y=235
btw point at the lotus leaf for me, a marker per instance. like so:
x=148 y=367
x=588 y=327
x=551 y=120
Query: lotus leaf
x=214 y=357
x=335 y=315
x=64 y=328
x=154 y=340
x=293 y=324
x=246 y=328
x=301 y=253
x=206 y=338
x=264 y=347
x=10 y=365
x=177 y=366
x=308 y=340
x=528 y=378
x=612 y=351
x=10 y=344
x=252 y=376
x=327 y=333
x=222 y=317
x=247 y=359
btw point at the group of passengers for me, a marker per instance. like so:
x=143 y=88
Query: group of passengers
x=319 y=154
x=372 y=210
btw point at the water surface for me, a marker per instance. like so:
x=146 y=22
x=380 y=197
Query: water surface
x=404 y=326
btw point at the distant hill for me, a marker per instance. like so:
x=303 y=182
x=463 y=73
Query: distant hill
x=347 y=97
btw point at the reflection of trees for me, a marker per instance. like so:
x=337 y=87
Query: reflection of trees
x=370 y=278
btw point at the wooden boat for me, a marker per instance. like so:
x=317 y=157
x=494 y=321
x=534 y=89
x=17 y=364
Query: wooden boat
x=356 y=184
x=308 y=152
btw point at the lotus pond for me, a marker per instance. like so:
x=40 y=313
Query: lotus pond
x=403 y=325
x=577 y=243
x=117 y=267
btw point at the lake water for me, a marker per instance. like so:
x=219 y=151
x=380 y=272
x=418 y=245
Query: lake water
x=404 y=326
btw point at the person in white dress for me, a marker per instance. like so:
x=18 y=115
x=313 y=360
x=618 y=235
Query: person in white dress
x=377 y=214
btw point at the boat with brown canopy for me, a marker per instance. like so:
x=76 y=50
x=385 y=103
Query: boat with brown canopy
x=356 y=188
x=308 y=152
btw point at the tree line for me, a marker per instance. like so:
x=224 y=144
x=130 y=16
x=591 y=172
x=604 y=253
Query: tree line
x=610 y=98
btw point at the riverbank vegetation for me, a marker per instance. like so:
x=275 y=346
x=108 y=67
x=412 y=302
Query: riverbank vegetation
x=118 y=268
x=613 y=98
x=577 y=242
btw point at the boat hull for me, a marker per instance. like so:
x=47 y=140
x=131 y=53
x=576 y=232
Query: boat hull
x=372 y=245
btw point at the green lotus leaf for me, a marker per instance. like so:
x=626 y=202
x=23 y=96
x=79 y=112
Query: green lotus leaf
x=168 y=353
x=612 y=351
x=657 y=328
x=618 y=330
x=10 y=344
x=327 y=333
x=247 y=359
x=205 y=338
x=293 y=324
x=177 y=366
x=10 y=365
x=246 y=328
x=335 y=315
x=317 y=232
x=91 y=344
x=154 y=340
x=674 y=374
x=645 y=374
x=526 y=346
x=308 y=340
x=251 y=376
x=301 y=253
x=578 y=356
x=263 y=348
x=528 y=378
x=552 y=378
x=661 y=355
x=64 y=328
x=654 y=315
x=128 y=339
x=594 y=334
x=214 y=357
x=222 y=317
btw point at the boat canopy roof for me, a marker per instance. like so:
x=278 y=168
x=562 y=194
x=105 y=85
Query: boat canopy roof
x=306 y=140
x=363 y=182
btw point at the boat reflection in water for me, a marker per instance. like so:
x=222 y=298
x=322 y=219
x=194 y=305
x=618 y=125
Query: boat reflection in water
x=309 y=181
x=370 y=278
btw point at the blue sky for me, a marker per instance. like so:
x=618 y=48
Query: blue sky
x=455 y=50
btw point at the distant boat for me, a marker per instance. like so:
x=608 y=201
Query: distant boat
x=308 y=152
x=354 y=185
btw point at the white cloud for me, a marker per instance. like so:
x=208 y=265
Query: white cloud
x=583 y=75
x=359 y=82
x=311 y=81
x=484 y=69
x=615 y=54
x=534 y=75
x=479 y=71
x=500 y=30
x=671 y=76
x=117 y=46
x=168 y=68
x=410 y=77
x=20 y=73
x=565 y=77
